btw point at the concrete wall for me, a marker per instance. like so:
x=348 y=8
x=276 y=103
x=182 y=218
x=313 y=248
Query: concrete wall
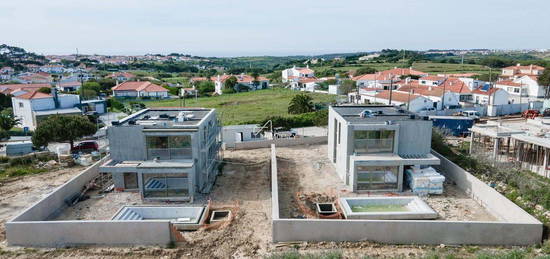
x=516 y=227
x=274 y=184
x=52 y=204
x=31 y=228
x=498 y=205
x=80 y=233
x=127 y=143
x=281 y=142
x=407 y=231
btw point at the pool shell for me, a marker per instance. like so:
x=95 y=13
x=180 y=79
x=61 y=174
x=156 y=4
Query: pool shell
x=183 y=218
x=416 y=208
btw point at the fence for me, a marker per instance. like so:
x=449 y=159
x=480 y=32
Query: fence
x=285 y=142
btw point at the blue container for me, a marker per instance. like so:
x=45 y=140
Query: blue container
x=456 y=125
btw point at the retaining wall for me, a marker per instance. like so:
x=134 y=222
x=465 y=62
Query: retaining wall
x=31 y=228
x=281 y=142
x=516 y=227
x=87 y=232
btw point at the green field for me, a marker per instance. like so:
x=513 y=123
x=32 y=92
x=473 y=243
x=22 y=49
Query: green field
x=245 y=107
x=432 y=68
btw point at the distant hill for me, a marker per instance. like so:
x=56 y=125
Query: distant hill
x=18 y=57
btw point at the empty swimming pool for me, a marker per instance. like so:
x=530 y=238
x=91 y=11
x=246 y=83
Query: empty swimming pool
x=184 y=218
x=406 y=207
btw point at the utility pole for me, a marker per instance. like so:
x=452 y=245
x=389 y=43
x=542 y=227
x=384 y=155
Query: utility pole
x=391 y=87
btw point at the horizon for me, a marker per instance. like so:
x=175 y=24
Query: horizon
x=218 y=28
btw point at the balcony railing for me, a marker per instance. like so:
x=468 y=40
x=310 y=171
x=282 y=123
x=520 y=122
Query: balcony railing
x=170 y=153
x=373 y=145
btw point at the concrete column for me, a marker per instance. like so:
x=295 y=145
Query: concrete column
x=471 y=142
x=495 y=148
x=545 y=163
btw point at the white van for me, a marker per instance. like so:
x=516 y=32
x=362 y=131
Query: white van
x=471 y=114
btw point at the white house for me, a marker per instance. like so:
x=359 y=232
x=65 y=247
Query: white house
x=297 y=72
x=139 y=89
x=52 y=69
x=121 y=76
x=32 y=107
x=492 y=96
x=519 y=70
x=243 y=81
x=68 y=86
x=411 y=102
x=528 y=85
x=440 y=98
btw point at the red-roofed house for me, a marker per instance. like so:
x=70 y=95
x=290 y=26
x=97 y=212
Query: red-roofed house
x=32 y=107
x=519 y=70
x=19 y=89
x=385 y=79
x=139 y=89
x=244 y=83
x=414 y=102
x=297 y=72
x=440 y=98
x=492 y=96
x=121 y=76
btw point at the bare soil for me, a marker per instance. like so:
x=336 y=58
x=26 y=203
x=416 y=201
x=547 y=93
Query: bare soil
x=244 y=184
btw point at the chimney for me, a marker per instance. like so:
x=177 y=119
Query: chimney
x=518 y=64
x=307 y=66
x=531 y=69
x=117 y=82
x=407 y=80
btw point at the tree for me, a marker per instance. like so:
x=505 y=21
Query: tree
x=365 y=70
x=229 y=85
x=7 y=121
x=206 y=87
x=5 y=101
x=45 y=90
x=255 y=82
x=347 y=86
x=300 y=103
x=62 y=128
x=544 y=80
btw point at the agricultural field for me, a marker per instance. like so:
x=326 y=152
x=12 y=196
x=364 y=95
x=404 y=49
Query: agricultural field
x=432 y=68
x=241 y=108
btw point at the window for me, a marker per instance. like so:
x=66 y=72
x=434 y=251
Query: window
x=169 y=147
x=373 y=141
x=165 y=185
x=130 y=181
x=20 y=105
x=516 y=90
x=377 y=177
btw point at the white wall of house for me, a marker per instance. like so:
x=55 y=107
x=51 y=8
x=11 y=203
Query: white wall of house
x=498 y=98
x=533 y=87
x=125 y=93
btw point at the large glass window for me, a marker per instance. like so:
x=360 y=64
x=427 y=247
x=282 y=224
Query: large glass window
x=377 y=177
x=169 y=147
x=165 y=185
x=373 y=141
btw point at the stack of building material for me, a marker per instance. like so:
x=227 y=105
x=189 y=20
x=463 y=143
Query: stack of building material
x=425 y=181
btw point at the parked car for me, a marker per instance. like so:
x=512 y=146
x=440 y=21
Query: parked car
x=85 y=146
x=471 y=114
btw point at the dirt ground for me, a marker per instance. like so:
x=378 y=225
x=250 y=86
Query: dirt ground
x=245 y=184
x=308 y=170
x=18 y=193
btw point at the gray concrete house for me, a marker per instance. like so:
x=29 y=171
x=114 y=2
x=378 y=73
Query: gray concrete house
x=167 y=154
x=371 y=146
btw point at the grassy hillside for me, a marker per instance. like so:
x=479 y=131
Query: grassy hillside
x=245 y=107
x=432 y=68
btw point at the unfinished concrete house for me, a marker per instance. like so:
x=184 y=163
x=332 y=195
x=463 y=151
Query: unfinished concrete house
x=167 y=154
x=518 y=143
x=371 y=146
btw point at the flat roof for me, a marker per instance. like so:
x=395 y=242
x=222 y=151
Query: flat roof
x=351 y=113
x=166 y=117
x=58 y=111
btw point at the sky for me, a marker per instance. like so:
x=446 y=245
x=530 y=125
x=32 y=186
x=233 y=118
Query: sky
x=276 y=27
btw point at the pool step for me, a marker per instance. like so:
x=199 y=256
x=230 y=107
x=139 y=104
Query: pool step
x=130 y=215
